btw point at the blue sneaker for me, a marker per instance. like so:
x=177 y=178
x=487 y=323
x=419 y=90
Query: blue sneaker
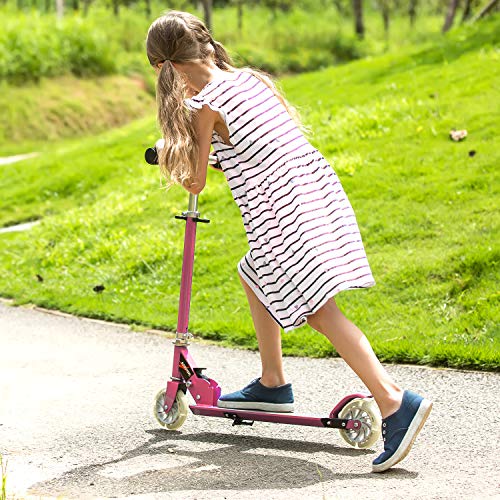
x=400 y=429
x=256 y=396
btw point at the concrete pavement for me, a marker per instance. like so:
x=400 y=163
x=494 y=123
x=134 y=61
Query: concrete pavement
x=76 y=421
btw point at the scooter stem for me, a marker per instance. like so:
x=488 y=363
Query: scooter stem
x=193 y=206
x=192 y=217
x=187 y=266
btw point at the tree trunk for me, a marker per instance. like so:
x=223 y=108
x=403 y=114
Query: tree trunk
x=412 y=12
x=60 y=8
x=148 y=8
x=467 y=11
x=86 y=5
x=240 y=15
x=359 y=27
x=486 y=10
x=116 y=8
x=450 y=15
x=207 y=11
x=384 y=6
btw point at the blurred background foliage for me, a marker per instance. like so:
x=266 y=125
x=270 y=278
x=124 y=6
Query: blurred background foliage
x=47 y=38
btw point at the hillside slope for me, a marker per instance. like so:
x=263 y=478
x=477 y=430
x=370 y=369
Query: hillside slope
x=68 y=107
x=427 y=208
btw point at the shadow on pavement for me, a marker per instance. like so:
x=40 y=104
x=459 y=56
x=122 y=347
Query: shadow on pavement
x=173 y=461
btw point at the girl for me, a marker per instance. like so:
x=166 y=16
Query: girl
x=305 y=245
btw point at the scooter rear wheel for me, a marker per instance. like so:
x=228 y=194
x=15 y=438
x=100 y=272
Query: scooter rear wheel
x=366 y=411
x=174 y=418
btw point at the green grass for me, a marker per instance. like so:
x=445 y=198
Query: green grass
x=427 y=210
x=3 y=471
x=68 y=107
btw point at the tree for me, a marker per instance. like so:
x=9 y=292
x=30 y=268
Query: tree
x=239 y=4
x=450 y=15
x=239 y=9
x=486 y=10
x=412 y=11
x=207 y=11
x=60 y=8
x=86 y=5
x=384 y=8
x=467 y=10
x=359 y=27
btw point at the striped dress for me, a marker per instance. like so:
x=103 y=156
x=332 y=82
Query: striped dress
x=305 y=244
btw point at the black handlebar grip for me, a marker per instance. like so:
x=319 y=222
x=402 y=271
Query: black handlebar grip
x=151 y=156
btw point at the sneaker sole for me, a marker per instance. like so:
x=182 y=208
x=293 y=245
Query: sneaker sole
x=249 y=405
x=404 y=448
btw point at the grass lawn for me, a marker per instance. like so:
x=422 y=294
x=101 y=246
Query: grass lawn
x=427 y=208
x=66 y=107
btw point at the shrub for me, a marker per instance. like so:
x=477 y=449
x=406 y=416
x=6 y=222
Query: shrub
x=32 y=47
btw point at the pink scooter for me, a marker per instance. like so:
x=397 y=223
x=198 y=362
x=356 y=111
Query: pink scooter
x=356 y=416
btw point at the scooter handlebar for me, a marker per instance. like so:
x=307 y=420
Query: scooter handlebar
x=151 y=157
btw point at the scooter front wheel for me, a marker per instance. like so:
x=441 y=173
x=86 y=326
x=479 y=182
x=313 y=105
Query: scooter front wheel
x=174 y=418
x=366 y=411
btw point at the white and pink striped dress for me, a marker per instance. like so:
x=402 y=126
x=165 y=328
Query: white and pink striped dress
x=305 y=244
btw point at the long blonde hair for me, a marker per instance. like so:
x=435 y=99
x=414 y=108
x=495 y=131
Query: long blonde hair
x=180 y=37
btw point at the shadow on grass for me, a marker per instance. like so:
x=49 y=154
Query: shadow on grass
x=172 y=461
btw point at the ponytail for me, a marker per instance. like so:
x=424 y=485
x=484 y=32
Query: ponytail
x=179 y=157
x=222 y=59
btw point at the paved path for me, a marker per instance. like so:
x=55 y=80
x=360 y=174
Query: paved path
x=7 y=160
x=76 y=422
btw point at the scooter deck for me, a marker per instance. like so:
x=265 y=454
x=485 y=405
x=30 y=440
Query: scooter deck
x=247 y=417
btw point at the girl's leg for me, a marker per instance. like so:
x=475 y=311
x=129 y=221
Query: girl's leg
x=268 y=338
x=354 y=347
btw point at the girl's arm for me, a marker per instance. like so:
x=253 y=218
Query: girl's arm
x=204 y=121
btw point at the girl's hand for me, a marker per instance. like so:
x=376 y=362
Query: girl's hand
x=159 y=145
x=212 y=158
